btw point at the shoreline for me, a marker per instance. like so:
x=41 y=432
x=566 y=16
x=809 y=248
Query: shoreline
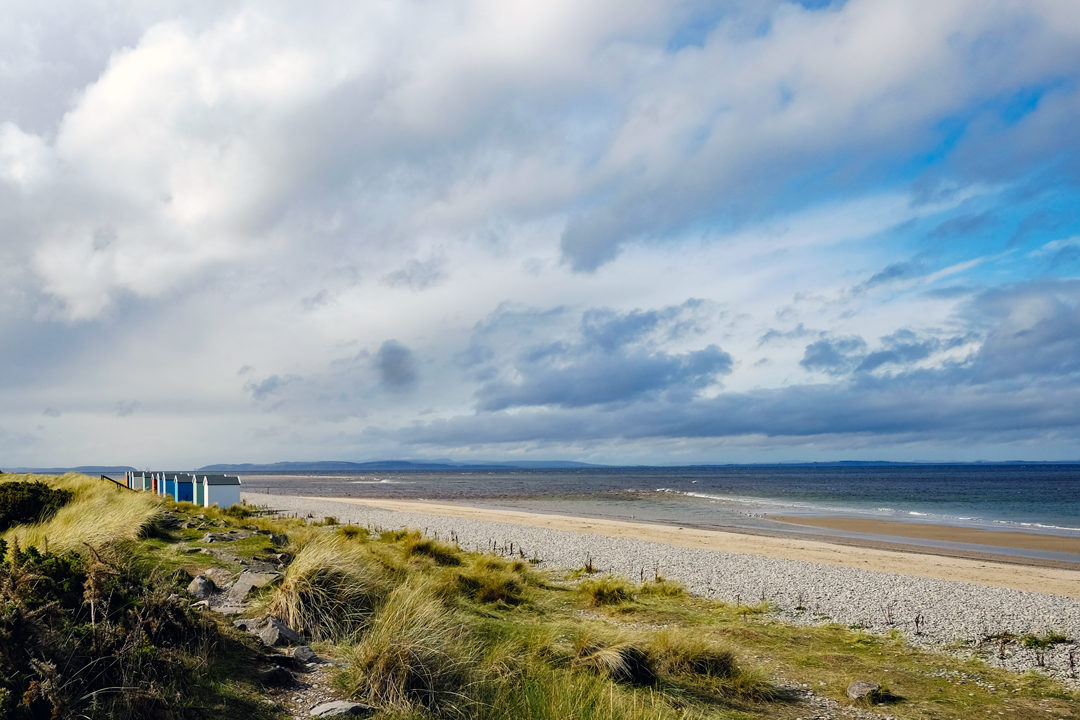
x=1016 y=573
x=942 y=533
x=958 y=605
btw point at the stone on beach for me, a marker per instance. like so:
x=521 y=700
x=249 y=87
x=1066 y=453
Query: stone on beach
x=341 y=707
x=202 y=587
x=863 y=690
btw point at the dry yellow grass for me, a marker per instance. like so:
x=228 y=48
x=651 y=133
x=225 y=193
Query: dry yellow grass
x=98 y=514
x=330 y=589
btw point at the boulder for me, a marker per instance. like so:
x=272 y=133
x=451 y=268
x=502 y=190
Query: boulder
x=277 y=677
x=274 y=633
x=202 y=587
x=863 y=690
x=304 y=654
x=339 y=708
x=248 y=581
x=279 y=540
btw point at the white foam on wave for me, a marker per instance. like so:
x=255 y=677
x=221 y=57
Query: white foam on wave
x=776 y=506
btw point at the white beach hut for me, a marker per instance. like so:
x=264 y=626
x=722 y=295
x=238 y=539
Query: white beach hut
x=217 y=489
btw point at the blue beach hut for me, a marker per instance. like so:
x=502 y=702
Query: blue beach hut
x=185 y=488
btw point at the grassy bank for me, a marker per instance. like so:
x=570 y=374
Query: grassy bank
x=421 y=629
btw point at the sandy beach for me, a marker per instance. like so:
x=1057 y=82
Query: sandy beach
x=947 y=603
x=947 y=533
x=1018 y=575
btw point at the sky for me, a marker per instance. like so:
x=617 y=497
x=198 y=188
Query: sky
x=621 y=232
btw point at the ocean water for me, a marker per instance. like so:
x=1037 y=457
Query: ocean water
x=1039 y=498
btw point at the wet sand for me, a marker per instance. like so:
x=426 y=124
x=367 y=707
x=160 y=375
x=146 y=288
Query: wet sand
x=942 y=533
x=1017 y=574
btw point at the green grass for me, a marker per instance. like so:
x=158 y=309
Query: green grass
x=425 y=630
x=330 y=590
x=606 y=590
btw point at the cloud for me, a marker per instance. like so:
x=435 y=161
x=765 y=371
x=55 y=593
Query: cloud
x=265 y=388
x=396 y=366
x=903 y=347
x=567 y=381
x=774 y=335
x=610 y=330
x=416 y=275
x=572 y=224
x=124 y=408
x=833 y=356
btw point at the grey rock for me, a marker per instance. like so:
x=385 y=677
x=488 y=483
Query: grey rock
x=277 y=677
x=248 y=581
x=215 y=537
x=341 y=707
x=221 y=576
x=202 y=587
x=278 y=540
x=304 y=654
x=861 y=689
x=274 y=633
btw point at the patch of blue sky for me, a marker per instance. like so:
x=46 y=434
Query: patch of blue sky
x=695 y=32
x=948 y=132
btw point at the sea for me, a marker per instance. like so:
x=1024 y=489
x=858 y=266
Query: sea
x=1032 y=498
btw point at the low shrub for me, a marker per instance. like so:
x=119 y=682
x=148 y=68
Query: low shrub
x=662 y=587
x=683 y=652
x=29 y=502
x=443 y=554
x=240 y=512
x=491 y=585
x=75 y=630
x=622 y=662
x=606 y=590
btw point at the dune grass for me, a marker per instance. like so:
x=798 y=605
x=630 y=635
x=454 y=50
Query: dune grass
x=329 y=590
x=606 y=590
x=422 y=629
x=417 y=652
x=98 y=514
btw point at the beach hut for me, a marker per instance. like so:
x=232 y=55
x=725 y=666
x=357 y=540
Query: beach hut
x=220 y=490
x=170 y=486
x=185 y=488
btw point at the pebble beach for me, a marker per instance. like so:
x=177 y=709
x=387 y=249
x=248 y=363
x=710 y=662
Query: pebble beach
x=961 y=617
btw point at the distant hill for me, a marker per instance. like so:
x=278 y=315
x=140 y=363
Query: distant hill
x=80 y=468
x=343 y=466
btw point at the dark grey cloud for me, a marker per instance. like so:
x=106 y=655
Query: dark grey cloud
x=1021 y=383
x=606 y=356
x=396 y=366
x=609 y=330
x=835 y=356
x=606 y=377
x=901 y=348
x=51 y=412
x=1035 y=333
x=900 y=411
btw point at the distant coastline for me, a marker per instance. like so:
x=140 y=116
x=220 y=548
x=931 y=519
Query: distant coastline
x=291 y=466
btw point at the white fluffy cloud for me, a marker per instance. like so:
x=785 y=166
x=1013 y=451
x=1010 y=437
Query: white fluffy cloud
x=290 y=190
